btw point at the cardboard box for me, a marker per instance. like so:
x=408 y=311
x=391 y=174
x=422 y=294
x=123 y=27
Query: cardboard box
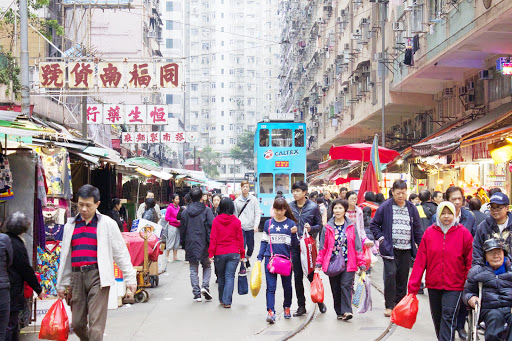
x=153 y=268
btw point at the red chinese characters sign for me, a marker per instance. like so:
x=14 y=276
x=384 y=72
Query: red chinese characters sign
x=282 y=164
x=165 y=137
x=169 y=75
x=110 y=75
x=80 y=75
x=136 y=114
x=157 y=115
x=51 y=75
x=94 y=114
x=113 y=114
x=140 y=75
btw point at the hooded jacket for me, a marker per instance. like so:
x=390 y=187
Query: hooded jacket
x=171 y=215
x=354 y=246
x=226 y=236
x=309 y=213
x=496 y=289
x=489 y=229
x=196 y=222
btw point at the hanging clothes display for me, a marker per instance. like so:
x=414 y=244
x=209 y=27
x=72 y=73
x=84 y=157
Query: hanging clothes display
x=47 y=266
x=58 y=171
x=415 y=43
x=6 y=191
x=409 y=55
x=54 y=220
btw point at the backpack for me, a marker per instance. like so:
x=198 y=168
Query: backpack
x=150 y=215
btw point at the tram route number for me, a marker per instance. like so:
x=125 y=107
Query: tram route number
x=282 y=164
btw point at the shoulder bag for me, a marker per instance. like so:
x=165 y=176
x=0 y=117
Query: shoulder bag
x=243 y=208
x=278 y=264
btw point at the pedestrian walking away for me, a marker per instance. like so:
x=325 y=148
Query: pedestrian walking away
x=278 y=234
x=195 y=226
x=307 y=215
x=226 y=249
x=91 y=243
x=8 y=270
x=172 y=238
x=474 y=207
x=445 y=254
x=396 y=225
x=496 y=300
x=247 y=209
x=340 y=239
x=142 y=207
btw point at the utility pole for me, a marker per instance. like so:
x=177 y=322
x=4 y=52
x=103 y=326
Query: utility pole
x=24 y=65
x=383 y=68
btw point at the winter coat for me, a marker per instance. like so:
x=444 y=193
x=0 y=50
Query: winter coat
x=466 y=219
x=310 y=213
x=19 y=273
x=496 y=289
x=382 y=227
x=446 y=258
x=426 y=210
x=251 y=214
x=117 y=218
x=196 y=223
x=171 y=214
x=6 y=259
x=367 y=217
x=354 y=246
x=226 y=236
x=479 y=217
x=489 y=229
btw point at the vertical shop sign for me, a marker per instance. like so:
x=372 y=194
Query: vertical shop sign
x=80 y=75
x=51 y=75
x=136 y=114
x=139 y=75
x=94 y=113
x=169 y=75
x=110 y=75
x=113 y=114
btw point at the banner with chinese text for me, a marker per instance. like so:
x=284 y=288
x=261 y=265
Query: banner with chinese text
x=127 y=114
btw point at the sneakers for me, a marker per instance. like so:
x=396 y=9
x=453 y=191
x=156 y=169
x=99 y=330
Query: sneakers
x=387 y=312
x=271 y=318
x=207 y=296
x=347 y=316
x=287 y=313
x=198 y=298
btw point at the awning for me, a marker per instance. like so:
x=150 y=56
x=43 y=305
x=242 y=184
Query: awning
x=161 y=175
x=90 y=158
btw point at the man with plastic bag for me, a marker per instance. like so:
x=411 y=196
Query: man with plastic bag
x=91 y=244
x=496 y=293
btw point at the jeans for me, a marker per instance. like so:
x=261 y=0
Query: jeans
x=5 y=302
x=298 y=277
x=444 y=307
x=248 y=242
x=341 y=288
x=396 y=274
x=495 y=320
x=226 y=265
x=194 y=275
x=286 y=281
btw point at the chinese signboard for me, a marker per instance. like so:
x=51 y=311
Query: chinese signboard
x=158 y=137
x=282 y=164
x=80 y=74
x=127 y=114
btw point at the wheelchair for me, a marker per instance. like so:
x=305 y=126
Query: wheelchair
x=475 y=330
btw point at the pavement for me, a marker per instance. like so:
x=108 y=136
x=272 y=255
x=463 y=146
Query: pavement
x=170 y=314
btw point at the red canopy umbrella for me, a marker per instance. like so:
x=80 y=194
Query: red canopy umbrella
x=340 y=181
x=361 y=152
x=369 y=183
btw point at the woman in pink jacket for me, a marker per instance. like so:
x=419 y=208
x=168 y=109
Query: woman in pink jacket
x=172 y=241
x=355 y=214
x=340 y=236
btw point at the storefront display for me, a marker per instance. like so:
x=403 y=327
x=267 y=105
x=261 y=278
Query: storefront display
x=495 y=176
x=58 y=171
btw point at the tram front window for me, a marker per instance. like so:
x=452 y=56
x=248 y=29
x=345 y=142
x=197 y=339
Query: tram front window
x=264 y=137
x=297 y=177
x=266 y=183
x=283 y=183
x=282 y=138
x=299 y=138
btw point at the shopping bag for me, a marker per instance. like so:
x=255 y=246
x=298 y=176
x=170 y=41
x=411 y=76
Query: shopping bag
x=243 y=286
x=317 y=289
x=366 y=304
x=358 y=292
x=55 y=324
x=367 y=257
x=256 y=279
x=308 y=253
x=404 y=313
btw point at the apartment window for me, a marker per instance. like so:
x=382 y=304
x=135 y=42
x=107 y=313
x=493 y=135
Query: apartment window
x=222 y=99
x=231 y=127
x=222 y=85
x=222 y=127
x=168 y=43
x=194 y=128
x=169 y=99
x=206 y=46
x=222 y=113
x=169 y=6
x=222 y=142
x=194 y=87
x=213 y=99
x=213 y=85
x=168 y=25
x=232 y=141
x=221 y=71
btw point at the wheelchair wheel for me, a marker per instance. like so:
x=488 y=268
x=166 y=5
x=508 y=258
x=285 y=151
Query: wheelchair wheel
x=472 y=326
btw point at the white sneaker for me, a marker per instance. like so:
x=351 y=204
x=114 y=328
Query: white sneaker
x=207 y=296
x=198 y=298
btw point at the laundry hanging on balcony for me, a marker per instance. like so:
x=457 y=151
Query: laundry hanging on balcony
x=409 y=54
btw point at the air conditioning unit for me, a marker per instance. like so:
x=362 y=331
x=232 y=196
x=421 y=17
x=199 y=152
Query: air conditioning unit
x=343 y=13
x=447 y=92
x=398 y=26
x=346 y=47
x=365 y=68
x=485 y=75
x=316 y=124
x=320 y=20
x=338 y=20
x=345 y=88
x=409 y=5
x=357 y=32
x=364 y=21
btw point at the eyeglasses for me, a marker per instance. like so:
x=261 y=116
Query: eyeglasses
x=497 y=208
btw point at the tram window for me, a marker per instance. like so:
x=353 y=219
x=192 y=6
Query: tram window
x=281 y=137
x=297 y=177
x=299 y=138
x=283 y=183
x=266 y=183
x=264 y=137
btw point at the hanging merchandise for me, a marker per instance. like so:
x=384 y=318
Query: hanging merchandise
x=42 y=185
x=58 y=171
x=6 y=192
x=47 y=266
x=409 y=54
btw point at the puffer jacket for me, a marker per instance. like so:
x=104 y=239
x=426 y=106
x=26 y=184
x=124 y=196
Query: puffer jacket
x=445 y=257
x=6 y=259
x=489 y=229
x=496 y=289
x=196 y=223
x=354 y=246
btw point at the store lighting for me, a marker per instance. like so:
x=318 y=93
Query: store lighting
x=440 y=181
x=509 y=139
x=501 y=151
x=399 y=162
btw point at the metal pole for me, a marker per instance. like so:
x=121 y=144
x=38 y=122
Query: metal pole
x=383 y=68
x=24 y=64
x=84 y=117
x=234 y=179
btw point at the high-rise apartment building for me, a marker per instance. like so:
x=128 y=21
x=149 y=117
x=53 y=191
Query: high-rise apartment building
x=230 y=48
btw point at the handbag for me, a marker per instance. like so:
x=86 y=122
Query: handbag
x=308 y=253
x=336 y=265
x=278 y=264
x=243 y=286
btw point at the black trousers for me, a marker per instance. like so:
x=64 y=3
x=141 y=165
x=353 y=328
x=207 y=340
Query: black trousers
x=495 y=320
x=396 y=274
x=341 y=288
x=444 y=307
x=298 y=277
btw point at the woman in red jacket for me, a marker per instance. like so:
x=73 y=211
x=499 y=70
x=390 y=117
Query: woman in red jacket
x=226 y=249
x=445 y=252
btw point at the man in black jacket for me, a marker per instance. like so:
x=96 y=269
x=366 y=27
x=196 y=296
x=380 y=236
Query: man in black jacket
x=428 y=207
x=196 y=223
x=308 y=217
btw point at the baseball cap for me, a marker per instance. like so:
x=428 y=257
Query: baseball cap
x=491 y=244
x=500 y=199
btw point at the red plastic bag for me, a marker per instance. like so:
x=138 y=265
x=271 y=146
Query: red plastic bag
x=367 y=257
x=308 y=253
x=55 y=324
x=404 y=314
x=317 y=289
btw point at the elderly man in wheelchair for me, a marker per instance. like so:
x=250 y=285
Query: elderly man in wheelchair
x=488 y=290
